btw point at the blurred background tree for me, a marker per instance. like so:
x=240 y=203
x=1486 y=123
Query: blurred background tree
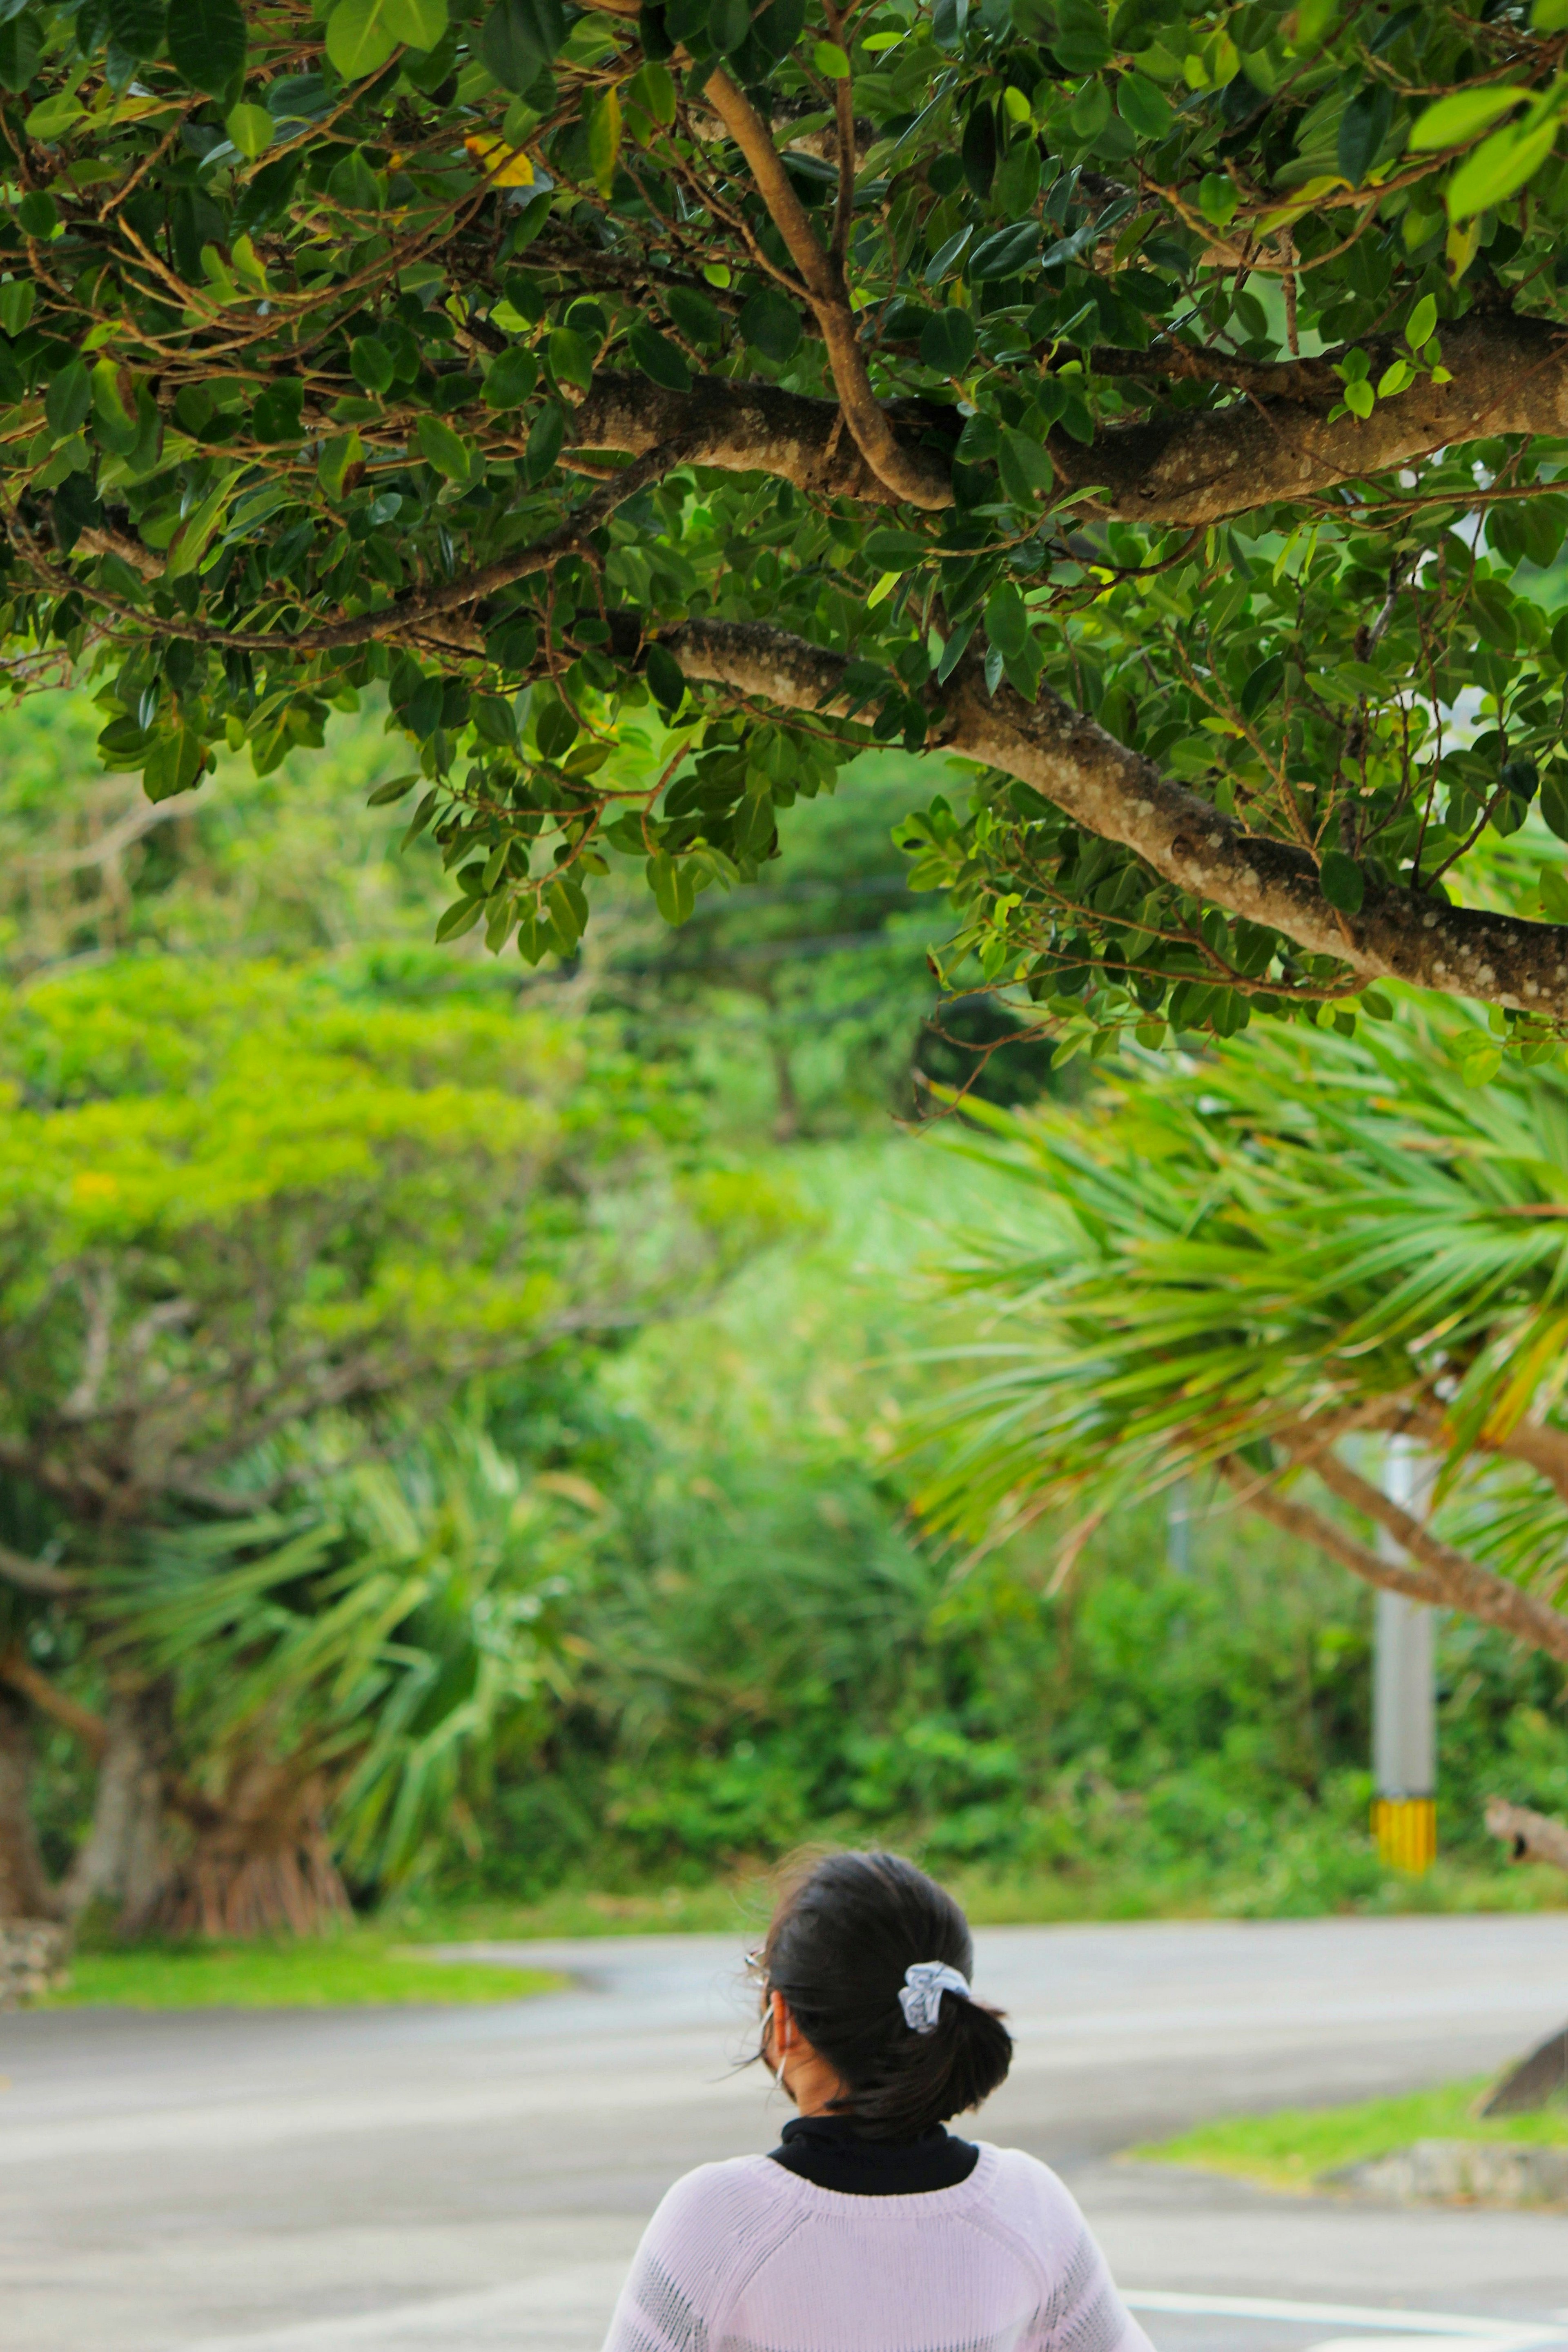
x=498 y=1478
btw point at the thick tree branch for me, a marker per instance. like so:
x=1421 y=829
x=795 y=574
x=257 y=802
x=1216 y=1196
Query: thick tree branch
x=1463 y=1584
x=1192 y=467
x=749 y=429
x=863 y=412
x=1509 y=375
x=1123 y=797
x=1534 y=1837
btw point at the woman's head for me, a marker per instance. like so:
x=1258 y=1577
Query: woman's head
x=840 y=1950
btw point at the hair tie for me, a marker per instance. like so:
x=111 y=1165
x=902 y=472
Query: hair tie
x=925 y=1981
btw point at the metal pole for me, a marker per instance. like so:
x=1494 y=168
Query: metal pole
x=1403 y=1691
x=1179 y=1529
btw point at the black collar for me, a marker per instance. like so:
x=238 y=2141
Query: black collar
x=830 y=2153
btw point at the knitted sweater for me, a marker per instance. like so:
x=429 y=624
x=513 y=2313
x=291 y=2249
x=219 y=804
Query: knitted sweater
x=746 y=2257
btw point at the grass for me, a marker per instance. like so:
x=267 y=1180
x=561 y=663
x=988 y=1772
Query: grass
x=740 y=1905
x=353 y=1970
x=1291 y=2148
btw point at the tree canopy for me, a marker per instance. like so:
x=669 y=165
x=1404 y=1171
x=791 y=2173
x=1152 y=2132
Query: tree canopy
x=1160 y=408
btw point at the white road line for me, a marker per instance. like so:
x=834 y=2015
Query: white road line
x=1439 y=2325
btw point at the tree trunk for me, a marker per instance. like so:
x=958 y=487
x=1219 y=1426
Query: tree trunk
x=261 y=1863
x=24 y=1889
x=124 y=1858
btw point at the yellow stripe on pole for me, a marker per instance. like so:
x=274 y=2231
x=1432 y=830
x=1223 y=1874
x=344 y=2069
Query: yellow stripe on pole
x=1406 y=1831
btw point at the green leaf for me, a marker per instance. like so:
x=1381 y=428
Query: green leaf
x=418 y=23
x=698 y=318
x=896 y=551
x=360 y=37
x=1025 y=467
x=16 y=297
x=337 y=457
x=1499 y=166
x=729 y=22
x=137 y=26
x=520 y=38
x=1262 y=684
x=444 y=449
x=385 y=794
x=1341 y=881
x=604 y=139
x=771 y=325
x=191 y=541
x=1363 y=127
x=251 y=128
x=830 y=61
x=511 y=377
x=652 y=89
x=1550 y=15
x=68 y=402
x=206 y=43
x=370 y=362
x=1422 y=324
x=175 y=763
x=1006 y=619
x=544 y=441
x=1553 y=802
x=673 y=885
x=116 y=425
x=660 y=360
x=1005 y=254
x=1451 y=121
x=666 y=679
x=947 y=342
x=1143 y=105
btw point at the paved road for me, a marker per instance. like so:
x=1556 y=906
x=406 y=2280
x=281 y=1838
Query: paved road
x=405 y=2181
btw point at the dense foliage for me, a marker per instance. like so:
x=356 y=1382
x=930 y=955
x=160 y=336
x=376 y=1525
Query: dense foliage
x=1160 y=407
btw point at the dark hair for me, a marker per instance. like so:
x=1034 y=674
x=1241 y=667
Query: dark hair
x=840 y=1941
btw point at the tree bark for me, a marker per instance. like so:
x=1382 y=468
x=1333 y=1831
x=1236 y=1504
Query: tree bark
x=260 y=1864
x=1534 y=1837
x=1192 y=467
x=1121 y=796
x=124 y=1859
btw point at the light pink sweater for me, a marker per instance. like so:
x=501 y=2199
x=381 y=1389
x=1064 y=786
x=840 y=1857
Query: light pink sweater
x=746 y=2257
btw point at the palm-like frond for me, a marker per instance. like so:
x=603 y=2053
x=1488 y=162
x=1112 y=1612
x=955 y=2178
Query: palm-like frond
x=1291 y=1236
x=395 y=1642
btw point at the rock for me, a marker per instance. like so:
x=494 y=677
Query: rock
x=1460 y=2172
x=33 y=1957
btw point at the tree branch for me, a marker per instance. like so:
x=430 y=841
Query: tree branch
x=863 y=412
x=1192 y=465
x=1462 y=1582
x=1300 y=1519
x=749 y=429
x=1534 y=1837
x=1121 y=796
x=1509 y=375
x=90 y=1728
x=35 y=1575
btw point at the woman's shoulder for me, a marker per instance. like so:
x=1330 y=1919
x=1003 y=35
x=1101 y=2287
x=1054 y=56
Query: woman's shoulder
x=722 y=2193
x=1017 y=2179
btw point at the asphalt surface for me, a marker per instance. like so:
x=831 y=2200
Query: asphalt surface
x=400 y=2180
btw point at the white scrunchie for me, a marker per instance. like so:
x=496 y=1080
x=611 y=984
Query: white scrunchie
x=925 y=1981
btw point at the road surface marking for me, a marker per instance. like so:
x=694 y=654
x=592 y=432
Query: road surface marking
x=1436 y=2327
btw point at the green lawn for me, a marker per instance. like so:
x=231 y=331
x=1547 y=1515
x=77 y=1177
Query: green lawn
x=1292 y=2148
x=340 y=1973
